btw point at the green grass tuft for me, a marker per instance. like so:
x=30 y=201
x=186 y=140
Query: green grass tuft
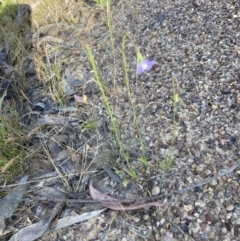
x=89 y=125
x=11 y=147
x=8 y=11
x=101 y=3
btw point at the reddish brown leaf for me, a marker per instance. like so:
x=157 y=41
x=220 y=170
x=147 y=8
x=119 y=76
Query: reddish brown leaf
x=114 y=203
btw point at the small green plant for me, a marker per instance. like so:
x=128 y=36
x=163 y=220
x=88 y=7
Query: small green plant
x=89 y=125
x=166 y=164
x=101 y=3
x=11 y=149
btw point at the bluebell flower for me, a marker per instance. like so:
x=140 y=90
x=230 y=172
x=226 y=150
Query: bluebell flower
x=144 y=65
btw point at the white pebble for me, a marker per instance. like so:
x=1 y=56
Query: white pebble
x=238 y=221
x=224 y=230
x=155 y=190
x=229 y=208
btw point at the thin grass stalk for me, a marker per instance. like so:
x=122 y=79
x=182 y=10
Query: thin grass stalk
x=135 y=120
x=110 y=27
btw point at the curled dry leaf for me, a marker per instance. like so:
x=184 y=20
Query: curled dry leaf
x=115 y=204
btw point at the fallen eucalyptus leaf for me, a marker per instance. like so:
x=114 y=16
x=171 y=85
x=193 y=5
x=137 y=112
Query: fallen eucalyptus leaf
x=69 y=220
x=37 y=230
x=115 y=204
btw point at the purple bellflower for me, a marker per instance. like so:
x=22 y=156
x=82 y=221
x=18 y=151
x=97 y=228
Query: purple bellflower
x=144 y=65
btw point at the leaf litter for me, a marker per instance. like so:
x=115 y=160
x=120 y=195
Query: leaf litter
x=44 y=227
x=11 y=201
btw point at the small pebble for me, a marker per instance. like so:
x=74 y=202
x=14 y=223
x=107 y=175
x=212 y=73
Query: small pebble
x=229 y=208
x=212 y=235
x=214 y=183
x=162 y=221
x=188 y=208
x=208 y=172
x=173 y=229
x=146 y=217
x=199 y=169
x=184 y=227
x=238 y=221
x=223 y=230
x=197 y=189
x=189 y=179
x=155 y=190
x=217 y=227
x=135 y=219
x=200 y=204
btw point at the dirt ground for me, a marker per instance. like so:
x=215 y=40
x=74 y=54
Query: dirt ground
x=194 y=43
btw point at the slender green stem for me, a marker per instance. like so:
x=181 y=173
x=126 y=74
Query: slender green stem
x=135 y=120
x=110 y=27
